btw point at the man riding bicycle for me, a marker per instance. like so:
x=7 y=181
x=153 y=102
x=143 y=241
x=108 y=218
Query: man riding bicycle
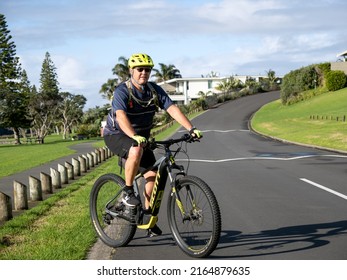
x=129 y=123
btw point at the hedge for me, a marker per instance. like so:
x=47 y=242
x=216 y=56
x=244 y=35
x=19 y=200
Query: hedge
x=335 y=80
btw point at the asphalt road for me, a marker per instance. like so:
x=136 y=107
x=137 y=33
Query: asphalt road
x=278 y=201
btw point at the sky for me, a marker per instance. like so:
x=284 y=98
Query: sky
x=85 y=38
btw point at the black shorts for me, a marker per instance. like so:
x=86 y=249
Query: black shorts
x=120 y=144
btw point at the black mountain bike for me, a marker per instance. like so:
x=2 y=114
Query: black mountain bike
x=192 y=209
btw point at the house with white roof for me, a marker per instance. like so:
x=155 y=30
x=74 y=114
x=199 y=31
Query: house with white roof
x=185 y=90
x=341 y=64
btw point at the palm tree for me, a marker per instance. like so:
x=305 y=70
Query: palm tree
x=121 y=69
x=271 y=75
x=166 y=72
x=212 y=74
x=107 y=88
x=227 y=85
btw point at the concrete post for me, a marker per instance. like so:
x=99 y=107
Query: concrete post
x=5 y=207
x=98 y=155
x=70 y=170
x=35 y=190
x=20 y=196
x=95 y=158
x=87 y=161
x=102 y=154
x=76 y=167
x=46 y=183
x=90 y=160
x=56 y=180
x=63 y=174
x=83 y=164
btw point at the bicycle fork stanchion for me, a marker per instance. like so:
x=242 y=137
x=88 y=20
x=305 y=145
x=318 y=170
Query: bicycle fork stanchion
x=173 y=180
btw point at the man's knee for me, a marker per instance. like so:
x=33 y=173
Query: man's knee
x=135 y=153
x=150 y=176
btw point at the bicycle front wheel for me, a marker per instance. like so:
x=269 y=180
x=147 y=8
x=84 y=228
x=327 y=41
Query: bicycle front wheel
x=110 y=218
x=194 y=217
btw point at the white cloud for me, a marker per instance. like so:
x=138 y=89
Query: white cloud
x=241 y=15
x=71 y=74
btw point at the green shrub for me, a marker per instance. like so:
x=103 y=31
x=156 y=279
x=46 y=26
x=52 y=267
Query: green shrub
x=302 y=79
x=335 y=80
x=199 y=104
x=90 y=130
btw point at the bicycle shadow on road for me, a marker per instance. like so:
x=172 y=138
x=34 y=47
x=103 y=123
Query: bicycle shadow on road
x=279 y=241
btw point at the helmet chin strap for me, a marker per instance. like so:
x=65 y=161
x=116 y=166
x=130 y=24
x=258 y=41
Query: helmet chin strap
x=136 y=82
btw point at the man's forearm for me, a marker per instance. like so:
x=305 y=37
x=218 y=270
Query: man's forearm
x=177 y=114
x=124 y=123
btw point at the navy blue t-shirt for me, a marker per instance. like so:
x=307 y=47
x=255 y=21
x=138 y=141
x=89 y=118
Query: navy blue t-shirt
x=140 y=117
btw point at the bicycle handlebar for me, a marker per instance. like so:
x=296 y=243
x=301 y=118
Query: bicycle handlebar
x=185 y=138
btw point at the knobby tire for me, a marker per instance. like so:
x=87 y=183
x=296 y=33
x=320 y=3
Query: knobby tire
x=116 y=232
x=197 y=236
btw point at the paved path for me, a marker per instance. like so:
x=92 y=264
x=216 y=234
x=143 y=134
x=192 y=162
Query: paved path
x=6 y=183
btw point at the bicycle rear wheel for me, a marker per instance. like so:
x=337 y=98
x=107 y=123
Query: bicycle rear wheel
x=111 y=219
x=196 y=230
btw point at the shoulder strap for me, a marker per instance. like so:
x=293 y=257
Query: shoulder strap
x=131 y=94
x=154 y=93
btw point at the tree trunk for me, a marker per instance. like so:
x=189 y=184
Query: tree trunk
x=16 y=136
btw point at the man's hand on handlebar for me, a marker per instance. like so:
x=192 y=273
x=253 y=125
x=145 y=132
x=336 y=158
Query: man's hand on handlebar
x=140 y=140
x=196 y=134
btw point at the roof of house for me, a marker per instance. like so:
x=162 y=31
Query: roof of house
x=167 y=87
x=342 y=54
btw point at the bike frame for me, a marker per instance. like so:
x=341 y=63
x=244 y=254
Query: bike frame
x=165 y=166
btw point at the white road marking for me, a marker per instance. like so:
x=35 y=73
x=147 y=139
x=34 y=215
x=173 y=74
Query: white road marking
x=324 y=188
x=259 y=158
x=220 y=131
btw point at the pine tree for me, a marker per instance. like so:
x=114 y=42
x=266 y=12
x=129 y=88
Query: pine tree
x=13 y=97
x=10 y=67
x=49 y=82
x=44 y=105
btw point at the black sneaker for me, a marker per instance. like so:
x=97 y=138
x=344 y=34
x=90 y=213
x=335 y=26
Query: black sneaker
x=154 y=231
x=130 y=199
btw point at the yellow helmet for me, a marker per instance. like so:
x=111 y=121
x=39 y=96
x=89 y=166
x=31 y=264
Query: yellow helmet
x=140 y=59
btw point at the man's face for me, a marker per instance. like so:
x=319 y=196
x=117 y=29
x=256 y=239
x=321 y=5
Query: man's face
x=141 y=74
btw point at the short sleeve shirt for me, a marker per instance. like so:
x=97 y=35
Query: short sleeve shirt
x=139 y=114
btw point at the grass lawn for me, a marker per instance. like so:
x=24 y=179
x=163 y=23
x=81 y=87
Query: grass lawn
x=17 y=158
x=293 y=122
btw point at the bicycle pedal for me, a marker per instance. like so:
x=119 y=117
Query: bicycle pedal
x=107 y=219
x=155 y=231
